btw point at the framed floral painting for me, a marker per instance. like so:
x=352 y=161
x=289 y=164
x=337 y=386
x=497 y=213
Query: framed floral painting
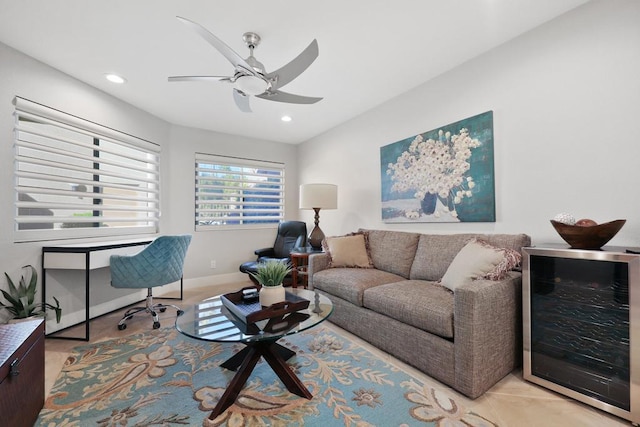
x=443 y=175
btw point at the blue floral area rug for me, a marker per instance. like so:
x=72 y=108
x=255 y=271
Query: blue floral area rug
x=162 y=378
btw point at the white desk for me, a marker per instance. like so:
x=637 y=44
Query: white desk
x=87 y=257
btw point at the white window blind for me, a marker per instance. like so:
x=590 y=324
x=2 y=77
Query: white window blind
x=233 y=192
x=75 y=178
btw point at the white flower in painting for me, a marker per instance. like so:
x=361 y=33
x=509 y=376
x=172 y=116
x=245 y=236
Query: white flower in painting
x=412 y=214
x=436 y=167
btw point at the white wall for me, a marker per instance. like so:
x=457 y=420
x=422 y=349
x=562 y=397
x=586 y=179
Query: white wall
x=565 y=98
x=23 y=76
x=229 y=248
x=565 y=101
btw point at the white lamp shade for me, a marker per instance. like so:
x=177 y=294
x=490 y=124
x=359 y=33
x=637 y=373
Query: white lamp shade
x=324 y=196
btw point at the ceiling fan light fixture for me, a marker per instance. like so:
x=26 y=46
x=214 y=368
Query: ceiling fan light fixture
x=251 y=85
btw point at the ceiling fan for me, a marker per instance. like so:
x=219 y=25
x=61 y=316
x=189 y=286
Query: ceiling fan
x=250 y=77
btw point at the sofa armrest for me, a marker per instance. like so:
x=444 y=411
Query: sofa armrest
x=317 y=262
x=487 y=332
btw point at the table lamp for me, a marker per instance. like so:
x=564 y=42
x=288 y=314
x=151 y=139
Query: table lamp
x=316 y=197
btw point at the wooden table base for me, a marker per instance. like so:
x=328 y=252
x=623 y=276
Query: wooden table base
x=245 y=361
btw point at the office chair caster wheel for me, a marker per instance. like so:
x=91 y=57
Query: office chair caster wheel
x=180 y=312
x=163 y=309
x=156 y=325
x=122 y=327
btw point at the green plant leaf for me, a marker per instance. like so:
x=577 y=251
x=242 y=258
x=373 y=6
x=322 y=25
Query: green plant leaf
x=21 y=299
x=31 y=289
x=9 y=298
x=12 y=288
x=272 y=273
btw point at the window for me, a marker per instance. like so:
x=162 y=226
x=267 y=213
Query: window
x=237 y=192
x=75 y=178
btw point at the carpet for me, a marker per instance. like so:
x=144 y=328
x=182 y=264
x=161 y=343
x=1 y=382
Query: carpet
x=162 y=378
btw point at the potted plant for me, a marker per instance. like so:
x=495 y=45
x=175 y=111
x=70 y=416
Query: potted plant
x=270 y=275
x=21 y=299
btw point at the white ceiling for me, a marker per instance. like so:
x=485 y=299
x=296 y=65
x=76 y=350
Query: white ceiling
x=370 y=51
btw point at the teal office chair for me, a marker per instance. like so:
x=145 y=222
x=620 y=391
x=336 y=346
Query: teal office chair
x=158 y=264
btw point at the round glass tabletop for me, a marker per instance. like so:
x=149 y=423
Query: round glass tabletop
x=210 y=320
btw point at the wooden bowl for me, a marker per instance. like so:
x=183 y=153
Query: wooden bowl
x=593 y=237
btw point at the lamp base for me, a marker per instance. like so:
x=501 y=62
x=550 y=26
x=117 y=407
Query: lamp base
x=316 y=237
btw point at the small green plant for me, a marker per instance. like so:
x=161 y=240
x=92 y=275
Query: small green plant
x=21 y=298
x=272 y=273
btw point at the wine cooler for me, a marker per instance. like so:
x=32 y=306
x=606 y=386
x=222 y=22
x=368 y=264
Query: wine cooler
x=581 y=317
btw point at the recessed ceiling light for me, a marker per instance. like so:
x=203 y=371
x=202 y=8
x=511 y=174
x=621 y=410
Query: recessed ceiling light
x=286 y=118
x=114 y=78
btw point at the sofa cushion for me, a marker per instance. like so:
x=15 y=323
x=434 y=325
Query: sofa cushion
x=350 y=283
x=478 y=260
x=348 y=251
x=425 y=305
x=435 y=252
x=393 y=251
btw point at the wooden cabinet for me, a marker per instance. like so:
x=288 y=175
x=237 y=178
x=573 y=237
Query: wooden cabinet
x=21 y=373
x=582 y=325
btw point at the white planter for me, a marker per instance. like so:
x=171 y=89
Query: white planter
x=270 y=295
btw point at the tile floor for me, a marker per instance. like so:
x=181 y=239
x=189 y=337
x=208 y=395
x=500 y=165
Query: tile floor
x=512 y=402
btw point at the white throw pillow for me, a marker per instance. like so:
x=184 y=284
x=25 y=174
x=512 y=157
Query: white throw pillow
x=474 y=261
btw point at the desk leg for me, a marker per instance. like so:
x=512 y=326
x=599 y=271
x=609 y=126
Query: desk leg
x=87 y=274
x=44 y=284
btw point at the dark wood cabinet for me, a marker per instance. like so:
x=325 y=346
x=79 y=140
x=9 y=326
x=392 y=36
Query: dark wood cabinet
x=21 y=372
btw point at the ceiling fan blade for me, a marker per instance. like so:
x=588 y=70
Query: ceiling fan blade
x=242 y=101
x=280 y=96
x=293 y=69
x=199 y=78
x=221 y=46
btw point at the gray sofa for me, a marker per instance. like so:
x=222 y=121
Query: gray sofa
x=468 y=339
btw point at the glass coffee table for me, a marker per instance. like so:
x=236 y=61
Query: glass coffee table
x=210 y=320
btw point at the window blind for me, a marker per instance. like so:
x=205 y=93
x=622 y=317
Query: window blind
x=76 y=178
x=237 y=192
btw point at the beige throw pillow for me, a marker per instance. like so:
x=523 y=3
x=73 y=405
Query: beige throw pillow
x=478 y=260
x=348 y=251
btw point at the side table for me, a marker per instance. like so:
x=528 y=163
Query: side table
x=299 y=264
